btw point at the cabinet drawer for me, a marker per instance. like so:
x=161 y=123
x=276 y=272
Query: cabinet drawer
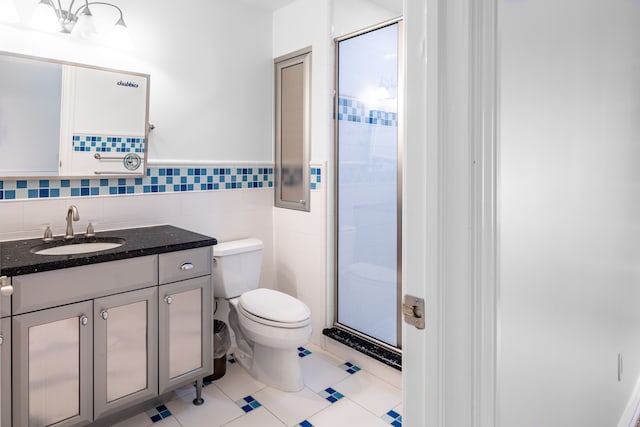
x=186 y=264
x=51 y=288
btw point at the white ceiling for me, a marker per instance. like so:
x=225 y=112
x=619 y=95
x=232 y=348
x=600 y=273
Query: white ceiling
x=267 y=4
x=393 y=5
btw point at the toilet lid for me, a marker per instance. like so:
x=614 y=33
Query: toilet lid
x=274 y=305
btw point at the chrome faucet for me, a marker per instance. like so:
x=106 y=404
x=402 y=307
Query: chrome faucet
x=72 y=215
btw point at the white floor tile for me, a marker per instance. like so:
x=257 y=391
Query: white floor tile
x=370 y=392
x=320 y=371
x=257 y=418
x=237 y=383
x=216 y=410
x=367 y=397
x=140 y=420
x=291 y=408
x=345 y=413
x=167 y=422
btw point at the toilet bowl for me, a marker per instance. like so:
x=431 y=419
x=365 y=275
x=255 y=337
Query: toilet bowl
x=268 y=325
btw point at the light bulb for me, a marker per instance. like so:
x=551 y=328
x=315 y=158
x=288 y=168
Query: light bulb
x=44 y=17
x=8 y=12
x=119 y=37
x=85 y=27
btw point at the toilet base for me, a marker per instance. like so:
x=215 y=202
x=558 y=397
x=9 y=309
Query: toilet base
x=276 y=367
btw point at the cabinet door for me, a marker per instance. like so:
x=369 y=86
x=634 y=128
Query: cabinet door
x=185 y=332
x=125 y=349
x=53 y=366
x=5 y=372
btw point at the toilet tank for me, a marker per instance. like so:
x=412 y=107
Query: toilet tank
x=236 y=267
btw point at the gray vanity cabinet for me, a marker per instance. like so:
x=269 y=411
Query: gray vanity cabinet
x=125 y=350
x=5 y=372
x=185 y=351
x=52 y=366
x=185 y=341
x=86 y=342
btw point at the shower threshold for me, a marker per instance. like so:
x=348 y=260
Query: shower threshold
x=367 y=347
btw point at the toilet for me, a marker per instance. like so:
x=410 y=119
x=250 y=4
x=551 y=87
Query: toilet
x=269 y=325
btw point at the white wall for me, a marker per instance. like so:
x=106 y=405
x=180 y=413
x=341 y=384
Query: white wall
x=211 y=99
x=225 y=215
x=300 y=238
x=211 y=73
x=303 y=242
x=354 y=15
x=569 y=211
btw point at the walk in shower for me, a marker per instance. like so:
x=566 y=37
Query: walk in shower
x=368 y=184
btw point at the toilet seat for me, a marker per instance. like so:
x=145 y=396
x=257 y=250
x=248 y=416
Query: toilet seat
x=274 y=308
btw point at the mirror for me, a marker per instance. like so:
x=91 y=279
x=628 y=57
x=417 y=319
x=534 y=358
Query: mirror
x=64 y=119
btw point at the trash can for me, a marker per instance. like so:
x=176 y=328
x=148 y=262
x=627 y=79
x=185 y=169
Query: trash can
x=221 y=343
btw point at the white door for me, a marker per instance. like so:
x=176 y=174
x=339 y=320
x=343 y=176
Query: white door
x=449 y=214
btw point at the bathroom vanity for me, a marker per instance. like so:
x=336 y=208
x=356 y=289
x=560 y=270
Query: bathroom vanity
x=86 y=336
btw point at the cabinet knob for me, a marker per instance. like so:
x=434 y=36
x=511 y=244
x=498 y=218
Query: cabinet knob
x=186 y=266
x=168 y=299
x=6 y=290
x=84 y=320
x=1 y=340
x=104 y=314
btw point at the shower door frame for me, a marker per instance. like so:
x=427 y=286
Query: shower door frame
x=399 y=177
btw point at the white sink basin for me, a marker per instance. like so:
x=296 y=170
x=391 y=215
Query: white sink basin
x=74 y=248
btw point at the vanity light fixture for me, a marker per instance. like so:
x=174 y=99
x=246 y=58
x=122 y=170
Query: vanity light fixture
x=50 y=15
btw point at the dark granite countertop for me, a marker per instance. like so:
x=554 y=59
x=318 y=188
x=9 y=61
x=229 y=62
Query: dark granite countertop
x=16 y=257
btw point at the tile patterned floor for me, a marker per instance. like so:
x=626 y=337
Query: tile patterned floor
x=337 y=393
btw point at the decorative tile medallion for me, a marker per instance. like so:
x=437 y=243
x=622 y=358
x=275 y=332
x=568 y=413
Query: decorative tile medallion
x=158 y=413
x=248 y=404
x=393 y=418
x=331 y=395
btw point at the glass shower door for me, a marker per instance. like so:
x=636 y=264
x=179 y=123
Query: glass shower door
x=368 y=184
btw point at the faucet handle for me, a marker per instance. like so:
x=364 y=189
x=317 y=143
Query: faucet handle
x=90 y=231
x=48 y=234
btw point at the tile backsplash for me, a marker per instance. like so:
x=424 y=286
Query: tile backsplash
x=107 y=144
x=157 y=180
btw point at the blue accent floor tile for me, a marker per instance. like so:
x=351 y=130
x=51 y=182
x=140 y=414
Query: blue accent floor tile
x=302 y=352
x=393 y=418
x=331 y=395
x=248 y=404
x=158 y=413
x=349 y=367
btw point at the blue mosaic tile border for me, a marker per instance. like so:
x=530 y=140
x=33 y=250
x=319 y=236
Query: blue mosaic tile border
x=158 y=180
x=316 y=179
x=353 y=110
x=107 y=144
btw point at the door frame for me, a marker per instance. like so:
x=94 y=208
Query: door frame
x=450 y=212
